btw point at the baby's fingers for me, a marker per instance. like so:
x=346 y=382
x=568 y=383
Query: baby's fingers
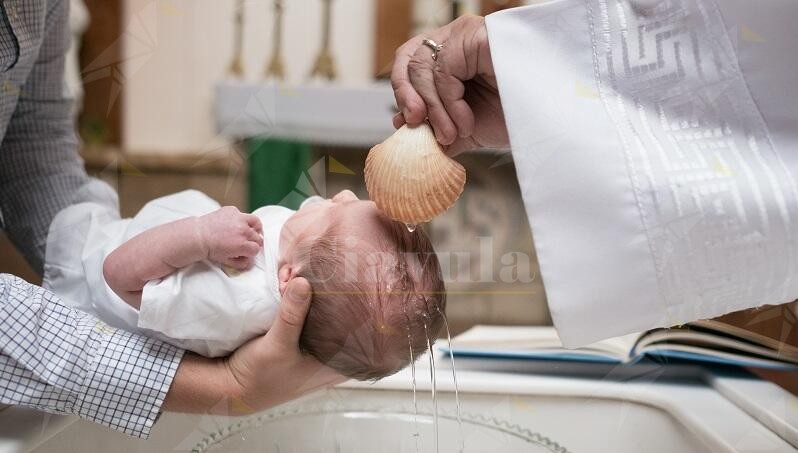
x=241 y=263
x=247 y=248
x=253 y=236
x=254 y=222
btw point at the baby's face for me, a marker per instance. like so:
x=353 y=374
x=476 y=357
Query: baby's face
x=358 y=223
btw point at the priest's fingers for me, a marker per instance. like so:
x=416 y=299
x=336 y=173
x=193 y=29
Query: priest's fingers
x=411 y=105
x=421 y=70
x=461 y=145
x=398 y=120
x=451 y=91
x=458 y=63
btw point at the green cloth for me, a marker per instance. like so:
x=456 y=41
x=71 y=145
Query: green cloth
x=274 y=169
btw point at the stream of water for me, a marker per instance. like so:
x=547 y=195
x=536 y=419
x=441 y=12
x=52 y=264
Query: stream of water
x=454 y=379
x=434 y=389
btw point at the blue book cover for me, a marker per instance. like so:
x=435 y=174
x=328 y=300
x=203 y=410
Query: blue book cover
x=692 y=344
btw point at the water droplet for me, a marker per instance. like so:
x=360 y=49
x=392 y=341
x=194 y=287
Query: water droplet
x=411 y=227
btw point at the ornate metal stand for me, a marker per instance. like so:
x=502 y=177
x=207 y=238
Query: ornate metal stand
x=236 y=67
x=325 y=65
x=276 y=69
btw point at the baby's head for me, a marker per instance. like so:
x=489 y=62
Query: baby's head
x=377 y=287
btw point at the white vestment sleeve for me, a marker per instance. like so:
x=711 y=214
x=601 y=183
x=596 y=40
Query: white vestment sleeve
x=656 y=145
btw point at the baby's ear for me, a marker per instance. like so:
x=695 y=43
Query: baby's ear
x=284 y=275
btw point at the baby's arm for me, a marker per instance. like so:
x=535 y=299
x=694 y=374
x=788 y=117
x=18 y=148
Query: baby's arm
x=225 y=236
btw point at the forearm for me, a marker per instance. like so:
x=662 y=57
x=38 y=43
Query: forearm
x=152 y=255
x=57 y=359
x=203 y=385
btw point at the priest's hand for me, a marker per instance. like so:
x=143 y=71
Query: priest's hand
x=457 y=93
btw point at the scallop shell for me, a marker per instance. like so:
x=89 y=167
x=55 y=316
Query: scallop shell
x=410 y=178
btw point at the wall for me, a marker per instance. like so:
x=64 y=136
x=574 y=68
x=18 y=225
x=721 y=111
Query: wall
x=175 y=50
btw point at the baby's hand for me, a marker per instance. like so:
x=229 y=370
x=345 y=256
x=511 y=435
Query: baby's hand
x=231 y=237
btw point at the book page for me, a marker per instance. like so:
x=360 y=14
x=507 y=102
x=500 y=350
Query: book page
x=772 y=326
x=532 y=339
x=699 y=342
x=707 y=355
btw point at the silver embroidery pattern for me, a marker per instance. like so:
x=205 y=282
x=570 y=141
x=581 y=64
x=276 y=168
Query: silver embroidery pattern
x=717 y=203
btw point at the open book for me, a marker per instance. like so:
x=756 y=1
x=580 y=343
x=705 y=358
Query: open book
x=765 y=337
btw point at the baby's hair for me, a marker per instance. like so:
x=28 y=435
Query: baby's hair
x=363 y=325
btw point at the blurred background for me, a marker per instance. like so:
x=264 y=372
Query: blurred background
x=268 y=101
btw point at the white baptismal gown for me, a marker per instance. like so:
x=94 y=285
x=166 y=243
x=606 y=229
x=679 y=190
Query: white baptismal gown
x=202 y=307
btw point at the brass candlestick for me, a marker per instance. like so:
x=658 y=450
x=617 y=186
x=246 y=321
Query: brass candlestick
x=236 y=68
x=275 y=69
x=325 y=65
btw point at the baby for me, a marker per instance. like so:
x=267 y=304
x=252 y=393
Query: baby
x=208 y=278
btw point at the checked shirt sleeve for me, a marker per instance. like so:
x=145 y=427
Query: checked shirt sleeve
x=57 y=359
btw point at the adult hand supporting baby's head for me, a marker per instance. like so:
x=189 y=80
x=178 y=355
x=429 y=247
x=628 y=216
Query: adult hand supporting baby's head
x=264 y=372
x=294 y=307
x=271 y=369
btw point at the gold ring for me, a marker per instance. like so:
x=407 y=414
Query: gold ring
x=435 y=48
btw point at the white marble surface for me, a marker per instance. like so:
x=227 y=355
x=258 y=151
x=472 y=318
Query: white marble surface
x=618 y=408
x=23 y=430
